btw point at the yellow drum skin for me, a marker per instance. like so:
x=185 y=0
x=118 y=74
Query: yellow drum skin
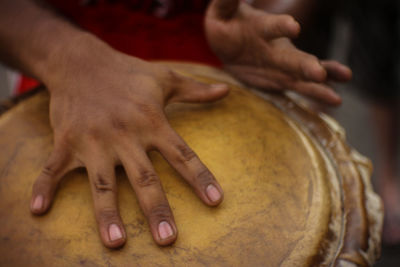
x=295 y=193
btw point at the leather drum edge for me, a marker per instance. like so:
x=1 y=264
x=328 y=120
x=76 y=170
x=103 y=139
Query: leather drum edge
x=354 y=211
x=360 y=212
x=362 y=216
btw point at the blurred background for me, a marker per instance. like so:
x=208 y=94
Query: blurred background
x=7 y=82
x=367 y=38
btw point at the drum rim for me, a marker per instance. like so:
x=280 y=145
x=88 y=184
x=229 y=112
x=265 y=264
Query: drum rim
x=353 y=168
x=366 y=249
x=360 y=245
x=6 y=105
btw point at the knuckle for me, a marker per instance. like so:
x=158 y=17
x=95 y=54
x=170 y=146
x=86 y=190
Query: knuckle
x=147 y=178
x=287 y=18
x=102 y=185
x=146 y=109
x=151 y=115
x=94 y=131
x=173 y=77
x=174 y=80
x=174 y=84
x=108 y=215
x=204 y=177
x=161 y=212
x=67 y=135
x=311 y=59
x=119 y=124
x=49 y=170
x=185 y=153
x=52 y=167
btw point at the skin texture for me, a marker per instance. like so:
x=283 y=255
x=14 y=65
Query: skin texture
x=107 y=109
x=296 y=193
x=99 y=130
x=255 y=47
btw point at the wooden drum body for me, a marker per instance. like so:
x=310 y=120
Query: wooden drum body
x=295 y=193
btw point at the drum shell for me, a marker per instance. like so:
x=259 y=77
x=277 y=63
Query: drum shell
x=295 y=193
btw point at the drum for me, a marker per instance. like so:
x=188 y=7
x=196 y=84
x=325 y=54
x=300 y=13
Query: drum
x=295 y=193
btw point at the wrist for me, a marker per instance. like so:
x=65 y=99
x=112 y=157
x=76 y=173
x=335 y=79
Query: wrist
x=79 y=54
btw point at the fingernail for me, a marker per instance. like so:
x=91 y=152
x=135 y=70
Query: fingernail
x=114 y=232
x=218 y=86
x=38 y=203
x=213 y=194
x=165 y=230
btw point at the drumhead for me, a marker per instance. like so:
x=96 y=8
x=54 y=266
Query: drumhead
x=287 y=202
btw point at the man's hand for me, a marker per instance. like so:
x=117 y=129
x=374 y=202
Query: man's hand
x=255 y=46
x=107 y=109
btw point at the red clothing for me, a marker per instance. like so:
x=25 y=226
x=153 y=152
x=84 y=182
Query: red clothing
x=135 y=27
x=132 y=26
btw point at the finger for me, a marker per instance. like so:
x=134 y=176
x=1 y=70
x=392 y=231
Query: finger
x=225 y=9
x=337 y=72
x=276 y=26
x=273 y=80
x=269 y=78
x=259 y=81
x=191 y=91
x=150 y=195
x=188 y=164
x=299 y=64
x=264 y=78
x=44 y=188
x=317 y=91
x=104 y=191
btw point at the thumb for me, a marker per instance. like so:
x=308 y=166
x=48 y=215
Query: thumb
x=191 y=91
x=224 y=9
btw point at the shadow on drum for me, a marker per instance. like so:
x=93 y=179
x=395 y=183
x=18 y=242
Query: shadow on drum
x=295 y=192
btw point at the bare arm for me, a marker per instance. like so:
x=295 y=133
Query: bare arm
x=106 y=109
x=34 y=40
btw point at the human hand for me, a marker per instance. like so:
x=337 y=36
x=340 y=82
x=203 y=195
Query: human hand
x=255 y=46
x=107 y=109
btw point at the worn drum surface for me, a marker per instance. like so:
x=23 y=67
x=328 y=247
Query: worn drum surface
x=295 y=193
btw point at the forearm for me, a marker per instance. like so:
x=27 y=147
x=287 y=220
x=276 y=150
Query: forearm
x=38 y=42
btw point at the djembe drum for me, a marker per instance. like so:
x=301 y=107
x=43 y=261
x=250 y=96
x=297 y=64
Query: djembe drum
x=295 y=193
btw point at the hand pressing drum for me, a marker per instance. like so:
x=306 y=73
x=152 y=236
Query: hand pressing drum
x=107 y=109
x=255 y=47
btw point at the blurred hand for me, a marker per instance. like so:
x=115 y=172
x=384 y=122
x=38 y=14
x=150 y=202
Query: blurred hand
x=255 y=47
x=107 y=109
